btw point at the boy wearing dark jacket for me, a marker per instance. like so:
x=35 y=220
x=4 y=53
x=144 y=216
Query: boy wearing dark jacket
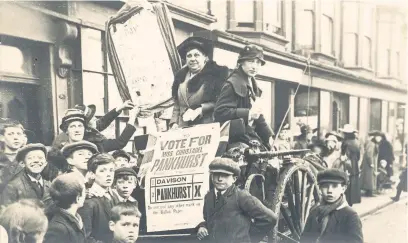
x=96 y=210
x=29 y=184
x=125 y=183
x=68 y=193
x=232 y=215
x=333 y=220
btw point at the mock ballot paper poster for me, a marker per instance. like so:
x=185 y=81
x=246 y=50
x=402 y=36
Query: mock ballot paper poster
x=143 y=57
x=177 y=178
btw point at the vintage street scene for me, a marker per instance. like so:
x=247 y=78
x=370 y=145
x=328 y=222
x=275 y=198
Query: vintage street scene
x=220 y=121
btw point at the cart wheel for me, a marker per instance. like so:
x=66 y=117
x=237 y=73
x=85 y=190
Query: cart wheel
x=295 y=195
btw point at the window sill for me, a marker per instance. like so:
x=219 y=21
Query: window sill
x=360 y=69
x=190 y=16
x=268 y=39
x=324 y=58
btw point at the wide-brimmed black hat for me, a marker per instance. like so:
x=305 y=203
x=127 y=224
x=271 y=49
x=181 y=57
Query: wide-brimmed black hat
x=89 y=111
x=251 y=52
x=376 y=133
x=333 y=133
x=332 y=176
x=203 y=44
x=21 y=153
x=321 y=144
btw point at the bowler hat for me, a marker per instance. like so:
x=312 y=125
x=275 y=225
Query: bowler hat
x=251 y=52
x=89 y=111
x=125 y=171
x=225 y=166
x=332 y=175
x=203 y=44
x=70 y=116
x=22 y=152
x=68 y=149
x=120 y=153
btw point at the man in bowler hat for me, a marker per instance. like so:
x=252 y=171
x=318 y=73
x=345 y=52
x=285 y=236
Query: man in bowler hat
x=232 y=215
x=333 y=220
x=238 y=95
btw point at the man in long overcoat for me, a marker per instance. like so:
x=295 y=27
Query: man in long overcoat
x=351 y=150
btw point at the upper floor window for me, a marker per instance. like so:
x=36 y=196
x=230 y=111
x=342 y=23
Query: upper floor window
x=196 y=5
x=244 y=13
x=350 y=47
x=367 y=49
x=327 y=35
x=306 y=30
x=350 y=32
x=14 y=64
x=272 y=16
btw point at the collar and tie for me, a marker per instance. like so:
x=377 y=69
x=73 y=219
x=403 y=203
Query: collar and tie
x=38 y=185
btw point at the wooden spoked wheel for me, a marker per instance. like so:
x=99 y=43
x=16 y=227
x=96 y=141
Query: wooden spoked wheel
x=295 y=195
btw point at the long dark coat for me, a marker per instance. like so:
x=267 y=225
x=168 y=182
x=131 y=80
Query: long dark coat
x=386 y=152
x=352 y=150
x=202 y=90
x=229 y=220
x=96 y=215
x=8 y=170
x=235 y=102
x=344 y=226
x=21 y=187
x=64 y=228
x=369 y=167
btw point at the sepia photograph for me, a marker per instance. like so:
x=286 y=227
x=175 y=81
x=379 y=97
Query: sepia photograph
x=188 y=121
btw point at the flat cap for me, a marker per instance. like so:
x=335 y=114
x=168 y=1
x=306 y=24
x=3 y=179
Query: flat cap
x=225 y=166
x=376 y=133
x=332 y=175
x=70 y=148
x=21 y=153
x=72 y=115
x=125 y=171
x=120 y=153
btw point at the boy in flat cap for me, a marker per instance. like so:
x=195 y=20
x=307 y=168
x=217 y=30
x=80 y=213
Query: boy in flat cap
x=232 y=215
x=29 y=184
x=125 y=182
x=77 y=155
x=238 y=96
x=333 y=220
x=122 y=158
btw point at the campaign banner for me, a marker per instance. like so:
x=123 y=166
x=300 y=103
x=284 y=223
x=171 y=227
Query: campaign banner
x=177 y=177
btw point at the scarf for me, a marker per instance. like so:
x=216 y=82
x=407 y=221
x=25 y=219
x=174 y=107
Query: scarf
x=324 y=210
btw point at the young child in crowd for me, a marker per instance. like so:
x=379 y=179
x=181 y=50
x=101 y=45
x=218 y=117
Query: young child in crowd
x=333 y=220
x=124 y=222
x=125 y=183
x=12 y=138
x=77 y=155
x=96 y=210
x=29 y=184
x=68 y=193
x=24 y=222
x=229 y=212
x=121 y=158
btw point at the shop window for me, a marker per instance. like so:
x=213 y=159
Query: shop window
x=367 y=52
x=306 y=29
x=340 y=108
x=272 y=16
x=244 y=13
x=266 y=99
x=307 y=107
x=375 y=114
x=327 y=35
x=350 y=48
x=14 y=64
x=93 y=87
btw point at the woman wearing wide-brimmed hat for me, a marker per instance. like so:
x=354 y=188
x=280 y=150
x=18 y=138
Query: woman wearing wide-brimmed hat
x=350 y=151
x=197 y=85
x=238 y=96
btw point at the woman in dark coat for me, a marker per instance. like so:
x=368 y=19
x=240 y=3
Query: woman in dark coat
x=197 y=85
x=237 y=97
x=369 y=165
x=351 y=150
x=385 y=152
